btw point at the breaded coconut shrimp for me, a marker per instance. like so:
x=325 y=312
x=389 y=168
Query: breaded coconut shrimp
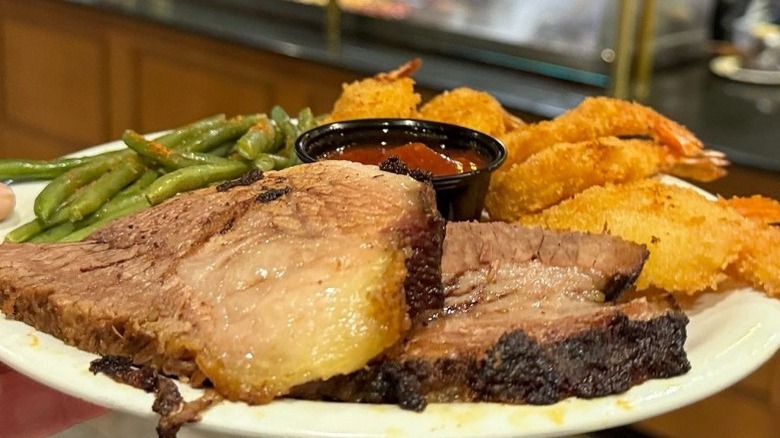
x=388 y=94
x=601 y=117
x=695 y=243
x=565 y=169
x=473 y=109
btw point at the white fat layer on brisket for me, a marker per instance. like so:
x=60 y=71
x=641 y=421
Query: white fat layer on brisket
x=307 y=289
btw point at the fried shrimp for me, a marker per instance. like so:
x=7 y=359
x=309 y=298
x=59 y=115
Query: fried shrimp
x=403 y=71
x=384 y=95
x=759 y=261
x=470 y=108
x=692 y=240
x=760 y=208
x=565 y=169
x=600 y=117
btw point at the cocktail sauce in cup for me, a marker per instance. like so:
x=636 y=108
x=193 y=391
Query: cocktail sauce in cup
x=460 y=159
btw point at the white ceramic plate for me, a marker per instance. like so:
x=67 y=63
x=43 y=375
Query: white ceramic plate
x=730 y=335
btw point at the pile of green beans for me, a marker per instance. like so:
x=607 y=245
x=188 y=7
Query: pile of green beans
x=85 y=193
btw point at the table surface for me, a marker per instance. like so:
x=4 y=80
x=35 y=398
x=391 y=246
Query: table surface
x=31 y=410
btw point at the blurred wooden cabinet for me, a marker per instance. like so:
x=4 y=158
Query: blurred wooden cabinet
x=71 y=77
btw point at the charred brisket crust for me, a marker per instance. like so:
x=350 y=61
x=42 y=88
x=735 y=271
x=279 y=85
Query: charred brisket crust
x=422 y=286
x=394 y=164
x=519 y=370
x=250 y=177
x=121 y=369
x=620 y=283
x=272 y=194
x=592 y=364
x=168 y=403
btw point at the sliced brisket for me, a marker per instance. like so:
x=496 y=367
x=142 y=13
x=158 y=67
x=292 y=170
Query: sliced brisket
x=253 y=292
x=525 y=321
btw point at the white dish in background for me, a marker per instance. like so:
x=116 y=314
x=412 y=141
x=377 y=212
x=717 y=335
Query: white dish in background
x=730 y=334
x=730 y=67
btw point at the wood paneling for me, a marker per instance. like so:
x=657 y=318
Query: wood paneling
x=30 y=143
x=54 y=81
x=73 y=77
x=174 y=92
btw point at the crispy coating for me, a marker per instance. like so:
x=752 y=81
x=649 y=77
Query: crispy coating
x=565 y=169
x=373 y=98
x=599 y=117
x=759 y=262
x=760 y=259
x=391 y=94
x=467 y=107
x=692 y=240
x=760 y=208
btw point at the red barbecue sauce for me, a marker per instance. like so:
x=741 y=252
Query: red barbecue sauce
x=441 y=161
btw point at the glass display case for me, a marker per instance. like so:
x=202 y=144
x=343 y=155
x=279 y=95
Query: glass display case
x=573 y=40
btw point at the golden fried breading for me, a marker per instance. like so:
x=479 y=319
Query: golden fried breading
x=600 y=117
x=565 y=169
x=760 y=208
x=561 y=171
x=760 y=259
x=376 y=98
x=759 y=262
x=691 y=239
x=466 y=107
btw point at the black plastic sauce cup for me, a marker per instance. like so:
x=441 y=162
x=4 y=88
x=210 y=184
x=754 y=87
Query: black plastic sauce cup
x=459 y=197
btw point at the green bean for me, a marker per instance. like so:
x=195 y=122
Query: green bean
x=224 y=149
x=279 y=116
x=258 y=139
x=29 y=170
x=141 y=183
x=190 y=131
x=171 y=159
x=104 y=188
x=118 y=203
x=36 y=226
x=61 y=188
x=139 y=203
x=289 y=134
x=264 y=163
x=25 y=231
x=230 y=130
x=271 y=162
x=125 y=197
x=54 y=234
x=190 y=178
x=306 y=120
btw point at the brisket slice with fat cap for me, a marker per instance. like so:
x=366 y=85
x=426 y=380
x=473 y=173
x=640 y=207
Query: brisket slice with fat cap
x=256 y=286
x=525 y=322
